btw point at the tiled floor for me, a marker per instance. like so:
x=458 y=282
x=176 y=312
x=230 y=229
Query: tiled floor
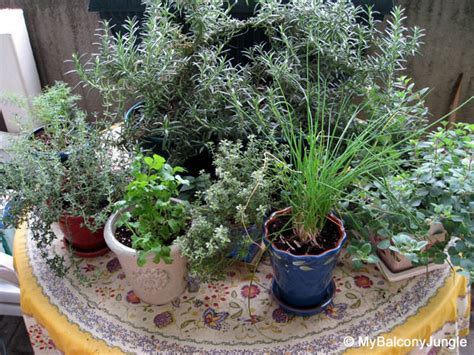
x=13 y=336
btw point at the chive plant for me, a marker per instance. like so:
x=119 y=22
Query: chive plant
x=329 y=150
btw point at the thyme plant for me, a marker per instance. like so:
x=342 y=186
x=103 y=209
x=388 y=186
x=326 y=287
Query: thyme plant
x=42 y=186
x=229 y=214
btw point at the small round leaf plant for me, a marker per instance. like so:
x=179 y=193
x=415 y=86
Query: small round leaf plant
x=436 y=187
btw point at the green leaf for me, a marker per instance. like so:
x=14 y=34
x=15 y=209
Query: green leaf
x=373 y=259
x=384 y=244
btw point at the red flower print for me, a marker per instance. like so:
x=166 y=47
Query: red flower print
x=363 y=281
x=250 y=291
x=254 y=319
x=280 y=316
x=132 y=298
x=89 y=267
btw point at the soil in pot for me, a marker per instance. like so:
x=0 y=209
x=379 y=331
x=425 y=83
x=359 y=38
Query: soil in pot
x=284 y=238
x=124 y=236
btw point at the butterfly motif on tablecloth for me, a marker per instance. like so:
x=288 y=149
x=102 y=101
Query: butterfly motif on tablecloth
x=213 y=319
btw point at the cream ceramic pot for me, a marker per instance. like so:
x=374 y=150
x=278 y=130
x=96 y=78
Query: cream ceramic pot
x=153 y=283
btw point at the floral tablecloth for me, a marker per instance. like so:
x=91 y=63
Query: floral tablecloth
x=93 y=310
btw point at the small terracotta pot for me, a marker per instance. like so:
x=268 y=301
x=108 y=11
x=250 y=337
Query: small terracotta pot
x=84 y=242
x=397 y=262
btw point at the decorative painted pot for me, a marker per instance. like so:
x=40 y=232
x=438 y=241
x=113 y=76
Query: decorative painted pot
x=252 y=250
x=303 y=280
x=153 y=283
x=83 y=241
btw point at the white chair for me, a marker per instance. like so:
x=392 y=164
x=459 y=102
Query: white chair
x=9 y=289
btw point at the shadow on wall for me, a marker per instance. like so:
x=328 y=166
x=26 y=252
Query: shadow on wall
x=448 y=52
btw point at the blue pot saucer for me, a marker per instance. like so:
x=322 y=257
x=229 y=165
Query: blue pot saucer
x=304 y=311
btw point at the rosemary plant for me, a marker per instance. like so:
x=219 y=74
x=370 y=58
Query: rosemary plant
x=181 y=70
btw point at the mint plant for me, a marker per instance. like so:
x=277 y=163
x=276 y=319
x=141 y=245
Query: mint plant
x=152 y=214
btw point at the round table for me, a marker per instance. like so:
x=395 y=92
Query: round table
x=93 y=310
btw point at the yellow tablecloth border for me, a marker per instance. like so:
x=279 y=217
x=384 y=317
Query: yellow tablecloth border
x=441 y=309
x=67 y=337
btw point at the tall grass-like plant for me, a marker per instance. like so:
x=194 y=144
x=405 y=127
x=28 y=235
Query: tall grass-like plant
x=327 y=158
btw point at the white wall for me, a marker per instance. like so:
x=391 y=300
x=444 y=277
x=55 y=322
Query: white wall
x=18 y=73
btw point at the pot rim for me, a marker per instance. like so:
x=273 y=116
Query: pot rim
x=113 y=243
x=338 y=222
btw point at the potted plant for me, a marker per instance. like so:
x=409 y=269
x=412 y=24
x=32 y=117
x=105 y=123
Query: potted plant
x=326 y=157
x=77 y=193
x=185 y=78
x=228 y=214
x=55 y=108
x=143 y=231
x=181 y=77
x=432 y=194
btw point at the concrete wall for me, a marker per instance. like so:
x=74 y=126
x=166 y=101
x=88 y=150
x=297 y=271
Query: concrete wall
x=60 y=27
x=447 y=52
x=57 y=29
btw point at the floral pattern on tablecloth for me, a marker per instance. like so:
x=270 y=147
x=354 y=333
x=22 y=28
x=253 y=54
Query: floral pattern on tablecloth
x=39 y=338
x=237 y=313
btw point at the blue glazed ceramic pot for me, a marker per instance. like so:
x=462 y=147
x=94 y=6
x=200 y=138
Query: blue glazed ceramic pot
x=303 y=280
x=250 y=252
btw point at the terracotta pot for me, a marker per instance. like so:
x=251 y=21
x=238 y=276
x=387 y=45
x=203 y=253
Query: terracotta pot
x=397 y=262
x=153 y=283
x=84 y=242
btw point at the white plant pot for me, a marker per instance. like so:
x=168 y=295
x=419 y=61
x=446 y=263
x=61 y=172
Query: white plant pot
x=153 y=283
